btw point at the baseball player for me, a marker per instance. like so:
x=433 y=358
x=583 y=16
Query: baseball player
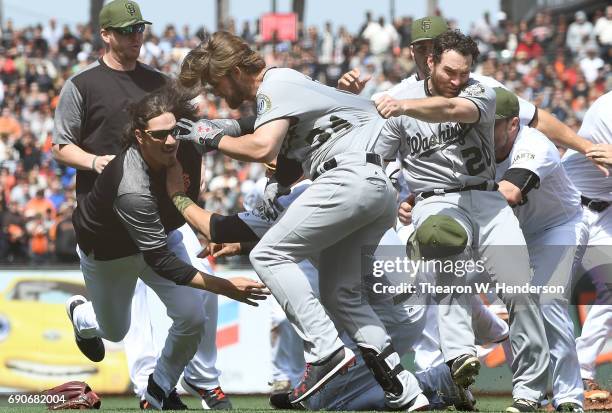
x=330 y=134
x=356 y=390
x=89 y=121
x=596 y=196
x=423 y=31
x=121 y=238
x=447 y=149
x=547 y=205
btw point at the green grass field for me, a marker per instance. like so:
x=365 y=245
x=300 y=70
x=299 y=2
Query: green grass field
x=249 y=404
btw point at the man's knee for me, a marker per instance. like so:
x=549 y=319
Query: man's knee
x=189 y=318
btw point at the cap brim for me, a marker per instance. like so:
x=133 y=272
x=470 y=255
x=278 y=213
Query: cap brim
x=131 y=23
x=421 y=39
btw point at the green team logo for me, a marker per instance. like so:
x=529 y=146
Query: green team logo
x=426 y=25
x=263 y=104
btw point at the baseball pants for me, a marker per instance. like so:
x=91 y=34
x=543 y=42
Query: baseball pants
x=495 y=237
x=143 y=340
x=597 y=327
x=345 y=209
x=111 y=287
x=555 y=254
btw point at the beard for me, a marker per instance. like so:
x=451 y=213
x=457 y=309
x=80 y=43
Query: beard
x=443 y=87
x=235 y=100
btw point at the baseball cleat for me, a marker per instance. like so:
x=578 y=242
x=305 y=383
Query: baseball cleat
x=522 y=405
x=317 y=374
x=418 y=404
x=570 y=407
x=212 y=399
x=464 y=370
x=92 y=348
x=155 y=398
x=281 y=401
x=466 y=402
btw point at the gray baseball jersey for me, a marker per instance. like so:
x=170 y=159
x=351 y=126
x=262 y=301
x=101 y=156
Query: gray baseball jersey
x=443 y=155
x=324 y=121
x=556 y=200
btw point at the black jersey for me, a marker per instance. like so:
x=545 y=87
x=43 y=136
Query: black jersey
x=91 y=112
x=121 y=216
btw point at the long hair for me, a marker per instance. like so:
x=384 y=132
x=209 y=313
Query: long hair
x=215 y=58
x=170 y=98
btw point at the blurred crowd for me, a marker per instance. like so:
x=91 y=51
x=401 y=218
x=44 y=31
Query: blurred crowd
x=561 y=64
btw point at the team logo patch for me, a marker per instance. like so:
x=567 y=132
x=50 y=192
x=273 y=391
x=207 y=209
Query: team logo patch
x=475 y=89
x=523 y=156
x=263 y=104
x=130 y=8
x=426 y=25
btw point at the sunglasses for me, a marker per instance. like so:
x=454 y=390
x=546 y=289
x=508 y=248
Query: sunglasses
x=162 y=134
x=135 y=28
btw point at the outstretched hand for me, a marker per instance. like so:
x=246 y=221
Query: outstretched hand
x=350 y=82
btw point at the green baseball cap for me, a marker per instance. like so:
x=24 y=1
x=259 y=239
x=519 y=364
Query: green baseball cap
x=427 y=28
x=440 y=236
x=121 y=13
x=506 y=104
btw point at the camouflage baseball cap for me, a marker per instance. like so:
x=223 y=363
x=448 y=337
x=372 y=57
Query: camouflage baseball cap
x=121 y=13
x=427 y=28
x=439 y=236
x=506 y=104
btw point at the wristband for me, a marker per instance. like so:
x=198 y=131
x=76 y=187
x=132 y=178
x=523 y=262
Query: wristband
x=181 y=201
x=214 y=142
x=93 y=163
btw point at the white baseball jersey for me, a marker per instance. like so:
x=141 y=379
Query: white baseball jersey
x=443 y=155
x=597 y=128
x=324 y=121
x=556 y=200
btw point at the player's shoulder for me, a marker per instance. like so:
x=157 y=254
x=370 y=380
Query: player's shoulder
x=533 y=141
x=602 y=103
x=84 y=75
x=476 y=89
x=134 y=174
x=486 y=80
x=280 y=74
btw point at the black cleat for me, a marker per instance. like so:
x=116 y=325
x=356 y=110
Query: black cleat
x=570 y=407
x=92 y=348
x=464 y=370
x=317 y=374
x=155 y=398
x=281 y=401
x=213 y=399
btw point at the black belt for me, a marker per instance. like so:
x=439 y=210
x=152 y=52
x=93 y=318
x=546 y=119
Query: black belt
x=330 y=164
x=480 y=187
x=593 y=204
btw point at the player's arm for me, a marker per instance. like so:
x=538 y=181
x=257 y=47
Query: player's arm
x=516 y=184
x=559 y=132
x=215 y=227
x=263 y=145
x=431 y=109
x=67 y=130
x=139 y=215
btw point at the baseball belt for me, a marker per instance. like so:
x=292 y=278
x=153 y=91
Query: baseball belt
x=330 y=164
x=485 y=186
x=594 y=204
